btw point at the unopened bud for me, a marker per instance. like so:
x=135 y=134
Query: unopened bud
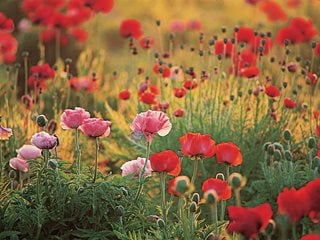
x=161 y=223
x=277 y=155
x=119 y=210
x=288 y=155
x=287 y=135
x=53 y=164
x=193 y=207
x=41 y=120
x=196 y=198
x=312 y=143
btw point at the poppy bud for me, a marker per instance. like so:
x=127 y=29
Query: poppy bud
x=288 y=51
x=52 y=126
x=287 y=135
x=312 y=143
x=124 y=191
x=266 y=145
x=193 y=207
x=41 y=120
x=25 y=54
x=313 y=44
x=277 y=155
x=53 y=164
x=119 y=210
x=288 y=155
x=237 y=181
x=68 y=61
x=196 y=198
x=158 y=23
x=212 y=236
x=271 y=149
x=182 y=185
x=285 y=84
x=211 y=197
x=298 y=58
x=231 y=97
x=316 y=161
x=12 y=174
x=250 y=91
x=161 y=223
x=239 y=93
x=272 y=59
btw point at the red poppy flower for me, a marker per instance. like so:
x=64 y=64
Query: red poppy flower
x=221 y=187
x=49 y=35
x=257 y=43
x=178 y=112
x=166 y=161
x=8 y=48
x=104 y=6
x=163 y=69
x=228 y=152
x=163 y=106
x=244 y=34
x=311 y=237
x=131 y=28
x=179 y=185
x=313 y=190
x=223 y=49
x=288 y=34
x=243 y=60
x=87 y=84
x=289 y=103
x=305 y=28
x=6 y=24
x=272 y=91
x=124 y=94
x=311 y=79
x=39 y=74
x=293 y=3
x=79 y=34
x=179 y=92
x=273 y=10
x=249 y=221
x=197 y=145
x=293 y=203
x=190 y=84
x=318 y=130
x=252 y=2
x=146 y=42
x=249 y=72
x=148 y=98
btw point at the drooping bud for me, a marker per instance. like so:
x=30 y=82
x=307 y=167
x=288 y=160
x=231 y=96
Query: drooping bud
x=287 y=135
x=41 y=120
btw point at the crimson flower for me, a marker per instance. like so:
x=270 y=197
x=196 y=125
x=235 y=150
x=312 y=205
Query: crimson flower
x=272 y=91
x=166 y=161
x=249 y=221
x=8 y=48
x=313 y=190
x=221 y=187
x=311 y=237
x=289 y=103
x=249 y=72
x=223 y=49
x=273 y=10
x=228 y=152
x=6 y=24
x=179 y=92
x=124 y=94
x=311 y=79
x=104 y=6
x=148 y=98
x=39 y=74
x=258 y=42
x=288 y=34
x=305 y=28
x=190 y=84
x=130 y=28
x=316 y=50
x=293 y=203
x=178 y=112
x=197 y=145
x=163 y=69
x=146 y=42
x=244 y=34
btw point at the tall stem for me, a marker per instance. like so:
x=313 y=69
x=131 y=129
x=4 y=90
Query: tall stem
x=214 y=213
x=238 y=199
x=25 y=62
x=1 y=161
x=163 y=195
x=78 y=152
x=184 y=220
x=195 y=171
x=142 y=171
x=39 y=175
x=96 y=161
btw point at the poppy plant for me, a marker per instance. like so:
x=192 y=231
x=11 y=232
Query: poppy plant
x=221 y=187
x=179 y=186
x=130 y=28
x=289 y=103
x=166 y=161
x=273 y=10
x=124 y=94
x=272 y=91
x=229 y=153
x=151 y=123
x=249 y=221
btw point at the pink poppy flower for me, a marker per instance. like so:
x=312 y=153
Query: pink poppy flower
x=151 y=123
x=5 y=133
x=28 y=152
x=95 y=127
x=44 y=140
x=19 y=164
x=71 y=119
x=135 y=166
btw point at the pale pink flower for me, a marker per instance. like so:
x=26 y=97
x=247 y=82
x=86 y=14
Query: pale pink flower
x=151 y=123
x=71 y=119
x=28 y=152
x=19 y=164
x=44 y=140
x=177 y=26
x=88 y=84
x=135 y=166
x=5 y=133
x=95 y=127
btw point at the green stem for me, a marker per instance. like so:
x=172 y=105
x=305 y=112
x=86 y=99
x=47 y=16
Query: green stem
x=163 y=195
x=184 y=220
x=195 y=171
x=238 y=198
x=294 y=232
x=25 y=61
x=96 y=161
x=223 y=209
x=39 y=175
x=214 y=214
x=57 y=46
x=78 y=152
x=1 y=161
x=141 y=179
